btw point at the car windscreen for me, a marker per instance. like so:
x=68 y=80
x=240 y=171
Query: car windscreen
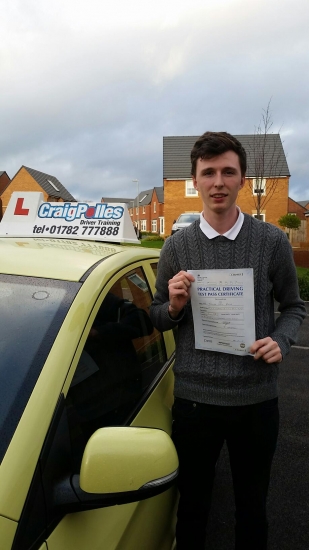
x=188 y=218
x=32 y=311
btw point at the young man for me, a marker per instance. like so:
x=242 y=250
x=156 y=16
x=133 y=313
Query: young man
x=218 y=396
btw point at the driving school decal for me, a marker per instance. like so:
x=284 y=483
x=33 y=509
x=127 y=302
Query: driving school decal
x=28 y=215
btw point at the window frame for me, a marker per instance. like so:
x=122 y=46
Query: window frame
x=261 y=214
x=161 y=225
x=189 y=185
x=255 y=190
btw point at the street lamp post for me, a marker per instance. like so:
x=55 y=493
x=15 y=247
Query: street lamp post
x=132 y=210
x=137 y=206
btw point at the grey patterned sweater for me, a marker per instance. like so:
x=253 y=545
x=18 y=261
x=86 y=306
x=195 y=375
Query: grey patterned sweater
x=221 y=378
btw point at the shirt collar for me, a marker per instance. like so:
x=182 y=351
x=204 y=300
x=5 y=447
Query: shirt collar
x=231 y=234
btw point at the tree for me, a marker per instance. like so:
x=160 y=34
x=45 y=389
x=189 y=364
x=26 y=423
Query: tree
x=265 y=161
x=290 y=221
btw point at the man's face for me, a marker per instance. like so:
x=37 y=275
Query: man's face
x=218 y=181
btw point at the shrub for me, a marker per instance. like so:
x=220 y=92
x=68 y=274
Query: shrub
x=290 y=221
x=303 y=282
x=153 y=238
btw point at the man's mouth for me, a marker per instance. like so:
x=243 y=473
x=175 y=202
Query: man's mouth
x=219 y=196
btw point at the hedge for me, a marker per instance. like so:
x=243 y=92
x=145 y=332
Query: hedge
x=153 y=238
x=303 y=282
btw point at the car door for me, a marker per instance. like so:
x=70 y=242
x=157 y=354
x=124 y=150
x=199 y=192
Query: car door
x=123 y=377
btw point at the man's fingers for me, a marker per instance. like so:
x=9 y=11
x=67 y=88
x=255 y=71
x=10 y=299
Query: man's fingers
x=181 y=281
x=267 y=349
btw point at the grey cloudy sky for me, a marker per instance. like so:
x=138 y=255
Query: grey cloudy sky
x=89 y=87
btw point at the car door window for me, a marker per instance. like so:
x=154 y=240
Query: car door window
x=122 y=356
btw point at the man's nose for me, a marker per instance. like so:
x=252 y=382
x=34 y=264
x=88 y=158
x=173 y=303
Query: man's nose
x=218 y=180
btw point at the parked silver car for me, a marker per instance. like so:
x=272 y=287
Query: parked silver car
x=185 y=219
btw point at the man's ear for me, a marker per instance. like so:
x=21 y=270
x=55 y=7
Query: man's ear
x=242 y=182
x=194 y=182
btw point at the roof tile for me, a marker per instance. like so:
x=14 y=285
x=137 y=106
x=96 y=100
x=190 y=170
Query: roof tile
x=177 y=149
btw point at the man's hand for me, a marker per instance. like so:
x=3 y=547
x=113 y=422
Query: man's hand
x=266 y=349
x=178 y=288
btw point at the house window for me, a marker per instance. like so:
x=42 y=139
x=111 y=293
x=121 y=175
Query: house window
x=154 y=207
x=190 y=189
x=259 y=186
x=161 y=222
x=259 y=217
x=143 y=225
x=136 y=210
x=154 y=226
x=53 y=185
x=144 y=210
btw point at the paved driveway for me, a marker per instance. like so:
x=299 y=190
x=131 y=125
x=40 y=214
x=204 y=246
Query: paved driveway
x=288 y=504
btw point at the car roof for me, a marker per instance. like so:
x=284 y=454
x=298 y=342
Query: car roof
x=62 y=259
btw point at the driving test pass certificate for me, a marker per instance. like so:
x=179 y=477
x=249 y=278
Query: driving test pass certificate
x=223 y=310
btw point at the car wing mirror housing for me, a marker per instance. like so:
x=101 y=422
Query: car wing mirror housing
x=121 y=459
x=122 y=465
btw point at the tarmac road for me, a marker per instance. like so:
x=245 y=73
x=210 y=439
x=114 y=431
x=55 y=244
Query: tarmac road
x=288 y=502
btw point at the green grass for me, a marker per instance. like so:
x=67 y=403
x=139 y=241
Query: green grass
x=301 y=271
x=146 y=244
x=152 y=244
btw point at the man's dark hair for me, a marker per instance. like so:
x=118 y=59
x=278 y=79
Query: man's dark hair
x=213 y=144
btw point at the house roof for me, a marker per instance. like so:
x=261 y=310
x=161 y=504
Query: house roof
x=177 y=149
x=50 y=184
x=303 y=203
x=116 y=200
x=144 y=197
x=160 y=194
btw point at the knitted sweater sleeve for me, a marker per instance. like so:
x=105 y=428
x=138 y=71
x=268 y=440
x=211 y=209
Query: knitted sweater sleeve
x=286 y=292
x=167 y=268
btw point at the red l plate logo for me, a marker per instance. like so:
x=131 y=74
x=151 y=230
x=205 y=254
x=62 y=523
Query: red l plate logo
x=19 y=210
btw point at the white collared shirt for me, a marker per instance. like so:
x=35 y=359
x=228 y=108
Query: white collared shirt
x=231 y=234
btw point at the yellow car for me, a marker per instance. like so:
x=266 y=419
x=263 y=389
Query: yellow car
x=87 y=462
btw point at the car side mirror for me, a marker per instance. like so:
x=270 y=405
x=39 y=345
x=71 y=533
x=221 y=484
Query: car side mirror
x=126 y=459
x=119 y=465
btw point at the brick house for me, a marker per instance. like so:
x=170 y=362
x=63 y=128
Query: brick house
x=27 y=179
x=304 y=204
x=4 y=181
x=180 y=195
x=299 y=209
x=147 y=210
